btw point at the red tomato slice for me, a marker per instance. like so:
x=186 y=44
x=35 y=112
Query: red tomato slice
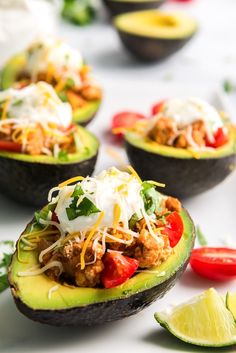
x=123 y=121
x=214 y=263
x=220 y=138
x=174 y=228
x=157 y=107
x=118 y=268
x=10 y=146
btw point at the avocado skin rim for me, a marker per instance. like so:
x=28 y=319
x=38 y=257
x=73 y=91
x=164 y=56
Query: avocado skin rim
x=119 y=7
x=30 y=182
x=183 y=177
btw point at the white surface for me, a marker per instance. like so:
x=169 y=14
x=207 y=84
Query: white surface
x=214 y=211
x=205 y=62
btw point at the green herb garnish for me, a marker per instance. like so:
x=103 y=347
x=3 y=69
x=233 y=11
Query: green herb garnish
x=228 y=86
x=63 y=156
x=63 y=96
x=43 y=213
x=133 y=220
x=5 y=260
x=17 y=102
x=70 y=83
x=85 y=208
x=201 y=237
x=152 y=198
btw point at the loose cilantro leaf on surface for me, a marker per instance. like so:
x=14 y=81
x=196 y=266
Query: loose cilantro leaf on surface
x=228 y=86
x=201 y=237
x=5 y=260
x=3 y=282
x=151 y=198
x=63 y=156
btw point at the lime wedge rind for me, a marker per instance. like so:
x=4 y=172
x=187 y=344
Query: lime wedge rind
x=231 y=303
x=202 y=321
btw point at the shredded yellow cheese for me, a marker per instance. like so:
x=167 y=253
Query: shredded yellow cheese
x=70 y=181
x=134 y=173
x=86 y=243
x=117 y=213
x=5 y=109
x=161 y=185
x=60 y=85
x=194 y=153
x=50 y=73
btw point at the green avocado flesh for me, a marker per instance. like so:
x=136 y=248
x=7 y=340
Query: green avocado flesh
x=33 y=291
x=8 y=77
x=148 y=145
x=89 y=140
x=156 y=24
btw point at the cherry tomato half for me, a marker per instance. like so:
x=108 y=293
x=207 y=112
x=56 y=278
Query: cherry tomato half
x=157 y=107
x=220 y=138
x=10 y=146
x=214 y=263
x=123 y=121
x=118 y=268
x=174 y=228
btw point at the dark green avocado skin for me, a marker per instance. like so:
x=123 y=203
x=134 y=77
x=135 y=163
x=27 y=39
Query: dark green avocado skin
x=119 y=7
x=100 y=313
x=151 y=49
x=29 y=182
x=183 y=177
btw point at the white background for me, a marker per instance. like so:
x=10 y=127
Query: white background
x=197 y=70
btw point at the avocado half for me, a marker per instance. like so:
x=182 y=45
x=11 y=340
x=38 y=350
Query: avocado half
x=90 y=306
x=14 y=66
x=185 y=172
x=28 y=179
x=154 y=35
x=117 y=7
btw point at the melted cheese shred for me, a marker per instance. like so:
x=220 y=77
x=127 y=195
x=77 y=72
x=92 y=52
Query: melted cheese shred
x=86 y=243
x=117 y=213
x=70 y=181
x=41 y=270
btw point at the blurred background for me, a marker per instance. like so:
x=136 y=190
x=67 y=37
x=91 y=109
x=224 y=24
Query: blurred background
x=208 y=58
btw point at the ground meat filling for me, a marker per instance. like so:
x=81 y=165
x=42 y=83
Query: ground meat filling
x=149 y=252
x=166 y=132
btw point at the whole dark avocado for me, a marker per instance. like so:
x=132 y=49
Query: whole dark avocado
x=91 y=306
x=12 y=69
x=154 y=35
x=186 y=173
x=117 y=7
x=27 y=179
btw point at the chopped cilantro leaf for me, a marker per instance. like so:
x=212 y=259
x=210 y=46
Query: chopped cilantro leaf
x=63 y=156
x=5 y=260
x=17 y=102
x=85 y=208
x=3 y=282
x=62 y=95
x=133 y=220
x=228 y=86
x=151 y=198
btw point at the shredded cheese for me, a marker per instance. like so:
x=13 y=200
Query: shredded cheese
x=70 y=181
x=41 y=270
x=116 y=213
x=91 y=233
x=5 y=109
x=52 y=290
x=161 y=185
x=60 y=85
x=134 y=173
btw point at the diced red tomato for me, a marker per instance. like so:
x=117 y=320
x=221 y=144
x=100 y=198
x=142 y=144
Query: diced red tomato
x=10 y=146
x=220 y=138
x=55 y=218
x=214 y=263
x=123 y=121
x=67 y=129
x=157 y=107
x=118 y=269
x=174 y=228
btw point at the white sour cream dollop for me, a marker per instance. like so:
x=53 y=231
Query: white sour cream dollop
x=186 y=111
x=66 y=61
x=37 y=103
x=109 y=188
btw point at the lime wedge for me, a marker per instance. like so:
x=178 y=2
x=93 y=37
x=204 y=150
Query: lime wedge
x=231 y=303
x=203 y=321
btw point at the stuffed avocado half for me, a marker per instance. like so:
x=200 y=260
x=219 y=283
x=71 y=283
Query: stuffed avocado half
x=117 y=7
x=60 y=65
x=39 y=144
x=154 y=35
x=103 y=249
x=188 y=145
